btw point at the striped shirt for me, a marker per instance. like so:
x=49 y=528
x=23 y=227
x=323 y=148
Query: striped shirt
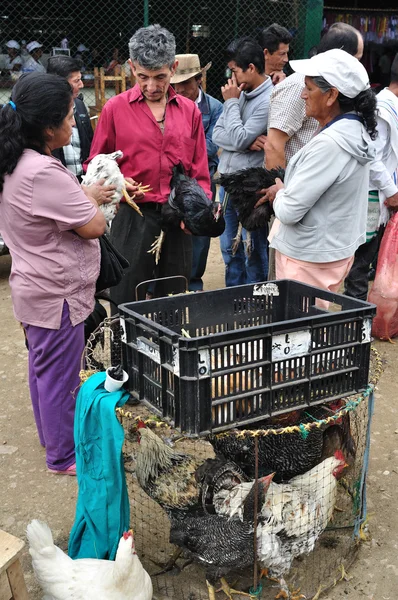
x=287 y=113
x=72 y=154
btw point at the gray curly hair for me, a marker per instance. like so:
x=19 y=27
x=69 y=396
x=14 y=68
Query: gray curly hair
x=153 y=47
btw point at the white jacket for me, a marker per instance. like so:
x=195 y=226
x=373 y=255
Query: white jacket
x=323 y=206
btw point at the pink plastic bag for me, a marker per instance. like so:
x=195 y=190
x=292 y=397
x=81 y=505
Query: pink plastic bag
x=384 y=292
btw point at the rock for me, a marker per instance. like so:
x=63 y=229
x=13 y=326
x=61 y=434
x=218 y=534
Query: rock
x=8 y=449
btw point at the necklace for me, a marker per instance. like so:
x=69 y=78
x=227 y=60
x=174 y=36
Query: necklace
x=161 y=121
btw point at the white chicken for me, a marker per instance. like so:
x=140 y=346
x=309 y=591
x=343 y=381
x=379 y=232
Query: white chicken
x=86 y=579
x=292 y=517
x=104 y=166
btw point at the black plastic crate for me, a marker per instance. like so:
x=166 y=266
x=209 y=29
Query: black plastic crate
x=254 y=351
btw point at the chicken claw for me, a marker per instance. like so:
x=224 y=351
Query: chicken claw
x=157 y=246
x=228 y=591
x=131 y=202
x=285 y=593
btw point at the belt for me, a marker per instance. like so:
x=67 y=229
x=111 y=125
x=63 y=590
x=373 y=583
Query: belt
x=156 y=206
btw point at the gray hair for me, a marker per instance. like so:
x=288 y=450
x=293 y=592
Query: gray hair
x=153 y=47
x=323 y=85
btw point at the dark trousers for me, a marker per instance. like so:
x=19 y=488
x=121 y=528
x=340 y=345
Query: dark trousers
x=357 y=283
x=200 y=250
x=133 y=235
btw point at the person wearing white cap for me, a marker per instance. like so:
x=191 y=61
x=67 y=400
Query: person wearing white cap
x=32 y=63
x=13 y=61
x=322 y=204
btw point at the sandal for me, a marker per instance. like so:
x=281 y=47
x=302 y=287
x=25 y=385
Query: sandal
x=69 y=471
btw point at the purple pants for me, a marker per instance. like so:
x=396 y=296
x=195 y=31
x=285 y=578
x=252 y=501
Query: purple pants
x=54 y=365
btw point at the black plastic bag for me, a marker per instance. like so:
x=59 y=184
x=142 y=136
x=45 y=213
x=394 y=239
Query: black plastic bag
x=113 y=265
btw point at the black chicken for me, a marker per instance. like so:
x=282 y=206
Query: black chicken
x=188 y=202
x=218 y=543
x=287 y=454
x=243 y=187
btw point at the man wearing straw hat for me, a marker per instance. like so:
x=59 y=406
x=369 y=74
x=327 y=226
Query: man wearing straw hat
x=187 y=81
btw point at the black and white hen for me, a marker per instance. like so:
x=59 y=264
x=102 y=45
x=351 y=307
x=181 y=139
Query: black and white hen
x=188 y=202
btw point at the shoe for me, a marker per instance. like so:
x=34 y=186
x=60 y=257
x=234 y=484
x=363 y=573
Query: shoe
x=69 y=471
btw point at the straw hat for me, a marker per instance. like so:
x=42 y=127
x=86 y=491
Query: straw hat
x=188 y=66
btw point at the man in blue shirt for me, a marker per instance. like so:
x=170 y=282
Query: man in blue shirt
x=187 y=81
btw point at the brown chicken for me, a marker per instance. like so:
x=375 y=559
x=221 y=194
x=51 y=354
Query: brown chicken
x=166 y=475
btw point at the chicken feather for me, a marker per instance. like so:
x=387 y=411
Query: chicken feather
x=86 y=579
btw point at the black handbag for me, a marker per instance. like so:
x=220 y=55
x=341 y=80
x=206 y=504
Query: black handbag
x=112 y=267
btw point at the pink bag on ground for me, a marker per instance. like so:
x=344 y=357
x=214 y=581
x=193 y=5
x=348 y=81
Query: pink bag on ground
x=384 y=292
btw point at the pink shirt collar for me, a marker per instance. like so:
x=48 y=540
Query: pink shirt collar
x=135 y=94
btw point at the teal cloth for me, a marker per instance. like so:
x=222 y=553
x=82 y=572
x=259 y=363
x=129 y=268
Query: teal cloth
x=103 y=509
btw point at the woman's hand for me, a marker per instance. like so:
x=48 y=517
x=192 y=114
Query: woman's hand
x=133 y=189
x=268 y=194
x=392 y=202
x=101 y=193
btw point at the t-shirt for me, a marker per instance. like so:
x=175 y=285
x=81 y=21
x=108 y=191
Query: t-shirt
x=287 y=113
x=40 y=206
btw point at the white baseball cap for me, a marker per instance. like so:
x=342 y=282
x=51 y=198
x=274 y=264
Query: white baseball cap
x=33 y=46
x=340 y=69
x=82 y=48
x=13 y=44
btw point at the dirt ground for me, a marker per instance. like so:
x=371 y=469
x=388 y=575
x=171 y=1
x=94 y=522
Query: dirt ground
x=28 y=491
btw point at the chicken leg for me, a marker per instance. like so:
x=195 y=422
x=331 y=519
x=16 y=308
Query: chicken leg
x=284 y=592
x=228 y=591
x=156 y=247
x=237 y=239
x=131 y=202
x=248 y=244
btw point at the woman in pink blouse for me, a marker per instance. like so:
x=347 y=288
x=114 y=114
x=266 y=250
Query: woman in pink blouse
x=51 y=228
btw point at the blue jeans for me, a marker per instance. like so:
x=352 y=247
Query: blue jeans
x=241 y=269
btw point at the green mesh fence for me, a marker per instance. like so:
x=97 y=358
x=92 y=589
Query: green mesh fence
x=203 y=27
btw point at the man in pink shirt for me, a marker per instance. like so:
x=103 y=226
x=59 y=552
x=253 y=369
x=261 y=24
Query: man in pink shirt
x=155 y=129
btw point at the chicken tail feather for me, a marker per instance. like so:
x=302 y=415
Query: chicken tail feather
x=39 y=536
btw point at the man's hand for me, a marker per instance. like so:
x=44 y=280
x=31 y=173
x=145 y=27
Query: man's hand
x=392 y=202
x=268 y=194
x=277 y=77
x=133 y=188
x=101 y=193
x=184 y=228
x=231 y=89
x=258 y=144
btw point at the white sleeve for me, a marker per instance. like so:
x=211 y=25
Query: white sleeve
x=380 y=179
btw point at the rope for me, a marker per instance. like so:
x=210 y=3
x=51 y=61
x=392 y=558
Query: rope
x=303 y=429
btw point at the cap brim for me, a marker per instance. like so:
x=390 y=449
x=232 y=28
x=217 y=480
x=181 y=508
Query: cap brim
x=306 y=66
x=178 y=78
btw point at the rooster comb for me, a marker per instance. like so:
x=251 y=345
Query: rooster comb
x=128 y=534
x=339 y=455
x=141 y=424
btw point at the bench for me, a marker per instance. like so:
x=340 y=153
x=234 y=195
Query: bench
x=12 y=582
